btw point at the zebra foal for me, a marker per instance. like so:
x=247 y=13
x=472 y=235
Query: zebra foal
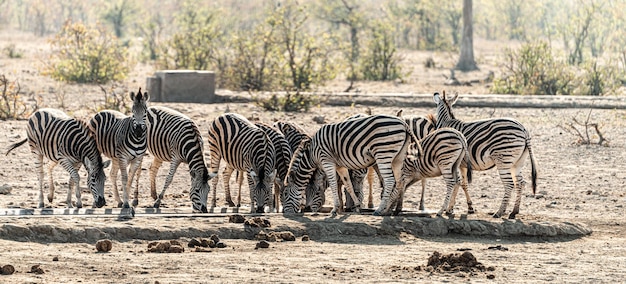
x=173 y=137
x=122 y=139
x=503 y=143
x=351 y=144
x=445 y=154
x=246 y=148
x=67 y=141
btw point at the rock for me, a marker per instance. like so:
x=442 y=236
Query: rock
x=305 y=238
x=287 y=236
x=203 y=249
x=262 y=244
x=176 y=249
x=194 y=243
x=5 y=189
x=7 y=269
x=220 y=245
x=215 y=238
x=104 y=245
x=319 y=119
x=56 y=258
x=237 y=218
x=36 y=269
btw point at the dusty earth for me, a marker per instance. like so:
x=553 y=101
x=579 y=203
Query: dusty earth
x=572 y=231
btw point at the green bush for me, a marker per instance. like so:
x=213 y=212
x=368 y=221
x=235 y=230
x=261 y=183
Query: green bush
x=380 y=61
x=87 y=55
x=533 y=70
x=296 y=102
x=598 y=79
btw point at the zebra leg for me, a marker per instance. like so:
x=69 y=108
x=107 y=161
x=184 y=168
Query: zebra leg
x=389 y=184
x=228 y=171
x=239 y=184
x=370 y=182
x=344 y=174
x=422 y=208
x=123 y=164
x=154 y=169
x=331 y=175
x=39 y=167
x=520 y=186
x=73 y=183
x=135 y=169
x=115 y=166
x=213 y=170
x=509 y=184
x=51 y=166
x=464 y=185
x=251 y=182
x=173 y=166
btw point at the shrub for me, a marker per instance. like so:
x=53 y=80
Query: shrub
x=533 y=70
x=598 y=79
x=114 y=99
x=12 y=105
x=12 y=52
x=380 y=61
x=296 y=102
x=87 y=55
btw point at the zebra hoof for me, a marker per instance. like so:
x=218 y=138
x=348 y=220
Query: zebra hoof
x=471 y=211
x=497 y=215
x=512 y=216
x=370 y=205
x=120 y=204
x=376 y=213
x=231 y=204
x=157 y=204
x=135 y=203
x=126 y=206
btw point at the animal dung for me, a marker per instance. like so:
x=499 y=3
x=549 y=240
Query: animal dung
x=104 y=245
x=262 y=244
x=7 y=269
x=172 y=246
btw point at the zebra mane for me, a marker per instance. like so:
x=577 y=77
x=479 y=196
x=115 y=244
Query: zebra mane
x=432 y=118
x=306 y=141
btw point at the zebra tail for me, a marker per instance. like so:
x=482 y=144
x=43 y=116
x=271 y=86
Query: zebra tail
x=13 y=146
x=533 y=167
x=469 y=167
x=420 y=151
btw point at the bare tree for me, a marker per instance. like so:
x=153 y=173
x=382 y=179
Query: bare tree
x=466 y=60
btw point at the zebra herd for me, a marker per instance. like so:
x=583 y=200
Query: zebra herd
x=284 y=165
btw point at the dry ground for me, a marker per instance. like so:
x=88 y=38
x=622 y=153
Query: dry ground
x=577 y=184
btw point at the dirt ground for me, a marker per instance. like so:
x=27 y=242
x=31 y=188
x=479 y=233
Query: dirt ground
x=580 y=185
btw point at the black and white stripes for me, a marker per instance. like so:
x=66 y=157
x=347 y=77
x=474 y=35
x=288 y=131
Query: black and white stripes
x=123 y=139
x=503 y=143
x=175 y=138
x=247 y=148
x=67 y=141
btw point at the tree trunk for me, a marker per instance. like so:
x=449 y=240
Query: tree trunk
x=466 y=60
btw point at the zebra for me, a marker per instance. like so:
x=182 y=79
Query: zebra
x=66 y=141
x=173 y=137
x=445 y=154
x=282 y=157
x=314 y=192
x=123 y=139
x=352 y=144
x=503 y=143
x=247 y=148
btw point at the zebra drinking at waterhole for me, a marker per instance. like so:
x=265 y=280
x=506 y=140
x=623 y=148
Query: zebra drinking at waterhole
x=67 y=141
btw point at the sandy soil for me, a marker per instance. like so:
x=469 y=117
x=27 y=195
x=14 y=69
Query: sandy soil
x=576 y=185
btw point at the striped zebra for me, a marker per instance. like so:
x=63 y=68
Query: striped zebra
x=282 y=157
x=503 y=143
x=173 y=137
x=244 y=147
x=352 y=144
x=67 y=141
x=122 y=139
x=445 y=154
x=315 y=189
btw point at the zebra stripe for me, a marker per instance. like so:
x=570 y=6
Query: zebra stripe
x=173 y=137
x=445 y=154
x=282 y=157
x=66 y=141
x=123 y=139
x=503 y=143
x=244 y=147
x=351 y=144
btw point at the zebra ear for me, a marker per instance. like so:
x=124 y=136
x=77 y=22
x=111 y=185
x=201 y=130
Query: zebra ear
x=106 y=164
x=212 y=175
x=252 y=174
x=436 y=98
x=454 y=98
x=87 y=164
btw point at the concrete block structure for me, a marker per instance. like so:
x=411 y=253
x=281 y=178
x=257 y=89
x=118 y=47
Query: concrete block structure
x=185 y=86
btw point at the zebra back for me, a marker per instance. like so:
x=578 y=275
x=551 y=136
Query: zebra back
x=293 y=132
x=283 y=153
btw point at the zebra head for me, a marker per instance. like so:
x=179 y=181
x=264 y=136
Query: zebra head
x=96 y=177
x=297 y=179
x=200 y=189
x=444 y=108
x=139 y=112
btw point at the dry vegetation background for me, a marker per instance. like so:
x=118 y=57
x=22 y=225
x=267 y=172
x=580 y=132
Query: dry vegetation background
x=579 y=184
